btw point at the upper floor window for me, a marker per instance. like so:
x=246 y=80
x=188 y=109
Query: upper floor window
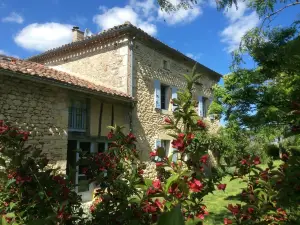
x=164 y=100
x=166 y=65
x=77 y=115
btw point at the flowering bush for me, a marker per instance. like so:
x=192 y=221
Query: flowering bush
x=272 y=195
x=125 y=197
x=30 y=192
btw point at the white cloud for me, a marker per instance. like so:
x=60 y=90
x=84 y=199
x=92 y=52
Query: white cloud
x=13 y=18
x=194 y=56
x=2 y=52
x=42 y=37
x=116 y=16
x=144 y=14
x=240 y=21
x=181 y=15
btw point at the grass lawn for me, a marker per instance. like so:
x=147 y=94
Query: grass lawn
x=217 y=201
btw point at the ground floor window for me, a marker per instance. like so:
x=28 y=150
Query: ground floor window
x=88 y=147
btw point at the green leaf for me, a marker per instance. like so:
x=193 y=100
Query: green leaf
x=9 y=182
x=174 y=217
x=12 y=205
x=3 y=221
x=10 y=215
x=170 y=181
x=148 y=182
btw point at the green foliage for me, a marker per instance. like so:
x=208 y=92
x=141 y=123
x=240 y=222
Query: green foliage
x=30 y=191
x=272 y=150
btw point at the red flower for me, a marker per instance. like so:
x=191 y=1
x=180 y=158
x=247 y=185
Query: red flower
x=250 y=210
x=181 y=135
x=201 y=124
x=131 y=137
x=3 y=129
x=159 y=164
x=84 y=170
x=284 y=157
x=167 y=120
x=195 y=185
x=221 y=186
x=244 y=162
x=227 y=221
x=204 y=158
x=156 y=184
x=256 y=160
x=178 y=144
x=110 y=135
x=153 y=154
x=234 y=209
x=149 y=208
x=141 y=172
x=159 y=204
x=190 y=137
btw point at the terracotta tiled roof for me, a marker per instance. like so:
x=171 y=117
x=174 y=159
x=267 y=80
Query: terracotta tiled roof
x=124 y=29
x=37 y=70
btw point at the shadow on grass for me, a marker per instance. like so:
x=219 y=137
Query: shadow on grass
x=216 y=218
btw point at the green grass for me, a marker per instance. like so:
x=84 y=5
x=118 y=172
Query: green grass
x=216 y=203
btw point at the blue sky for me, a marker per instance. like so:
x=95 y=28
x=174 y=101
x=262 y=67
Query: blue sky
x=30 y=27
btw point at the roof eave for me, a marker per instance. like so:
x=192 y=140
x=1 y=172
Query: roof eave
x=64 y=85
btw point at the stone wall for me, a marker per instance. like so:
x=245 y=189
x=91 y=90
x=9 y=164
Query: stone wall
x=43 y=109
x=146 y=119
x=103 y=64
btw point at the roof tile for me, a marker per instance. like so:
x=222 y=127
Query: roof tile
x=39 y=70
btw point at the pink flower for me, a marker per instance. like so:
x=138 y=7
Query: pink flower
x=110 y=135
x=181 y=135
x=234 y=209
x=201 y=124
x=204 y=158
x=167 y=120
x=250 y=210
x=153 y=154
x=244 y=162
x=221 y=186
x=159 y=164
x=156 y=184
x=256 y=160
x=227 y=221
x=195 y=185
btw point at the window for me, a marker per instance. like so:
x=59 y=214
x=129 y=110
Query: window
x=205 y=106
x=83 y=184
x=166 y=65
x=77 y=115
x=164 y=99
x=166 y=145
x=87 y=147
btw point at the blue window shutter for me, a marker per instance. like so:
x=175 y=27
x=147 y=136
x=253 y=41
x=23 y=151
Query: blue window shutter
x=174 y=95
x=200 y=106
x=157 y=94
x=157 y=143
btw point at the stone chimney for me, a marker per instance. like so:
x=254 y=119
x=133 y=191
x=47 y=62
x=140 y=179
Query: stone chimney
x=78 y=35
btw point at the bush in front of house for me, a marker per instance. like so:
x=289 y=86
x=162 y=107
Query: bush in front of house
x=184 y=177
x=30 y=191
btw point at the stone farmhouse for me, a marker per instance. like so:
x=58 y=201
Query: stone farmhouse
x=121 y=76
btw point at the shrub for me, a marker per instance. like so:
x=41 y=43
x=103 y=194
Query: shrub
x=30 y=191
x=295 y=150
x=125 y=197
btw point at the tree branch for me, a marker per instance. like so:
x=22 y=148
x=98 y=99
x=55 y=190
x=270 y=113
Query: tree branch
x=278 y=11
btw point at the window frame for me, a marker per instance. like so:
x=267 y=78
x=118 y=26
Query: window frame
x=73 y=114
x=164 y=96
